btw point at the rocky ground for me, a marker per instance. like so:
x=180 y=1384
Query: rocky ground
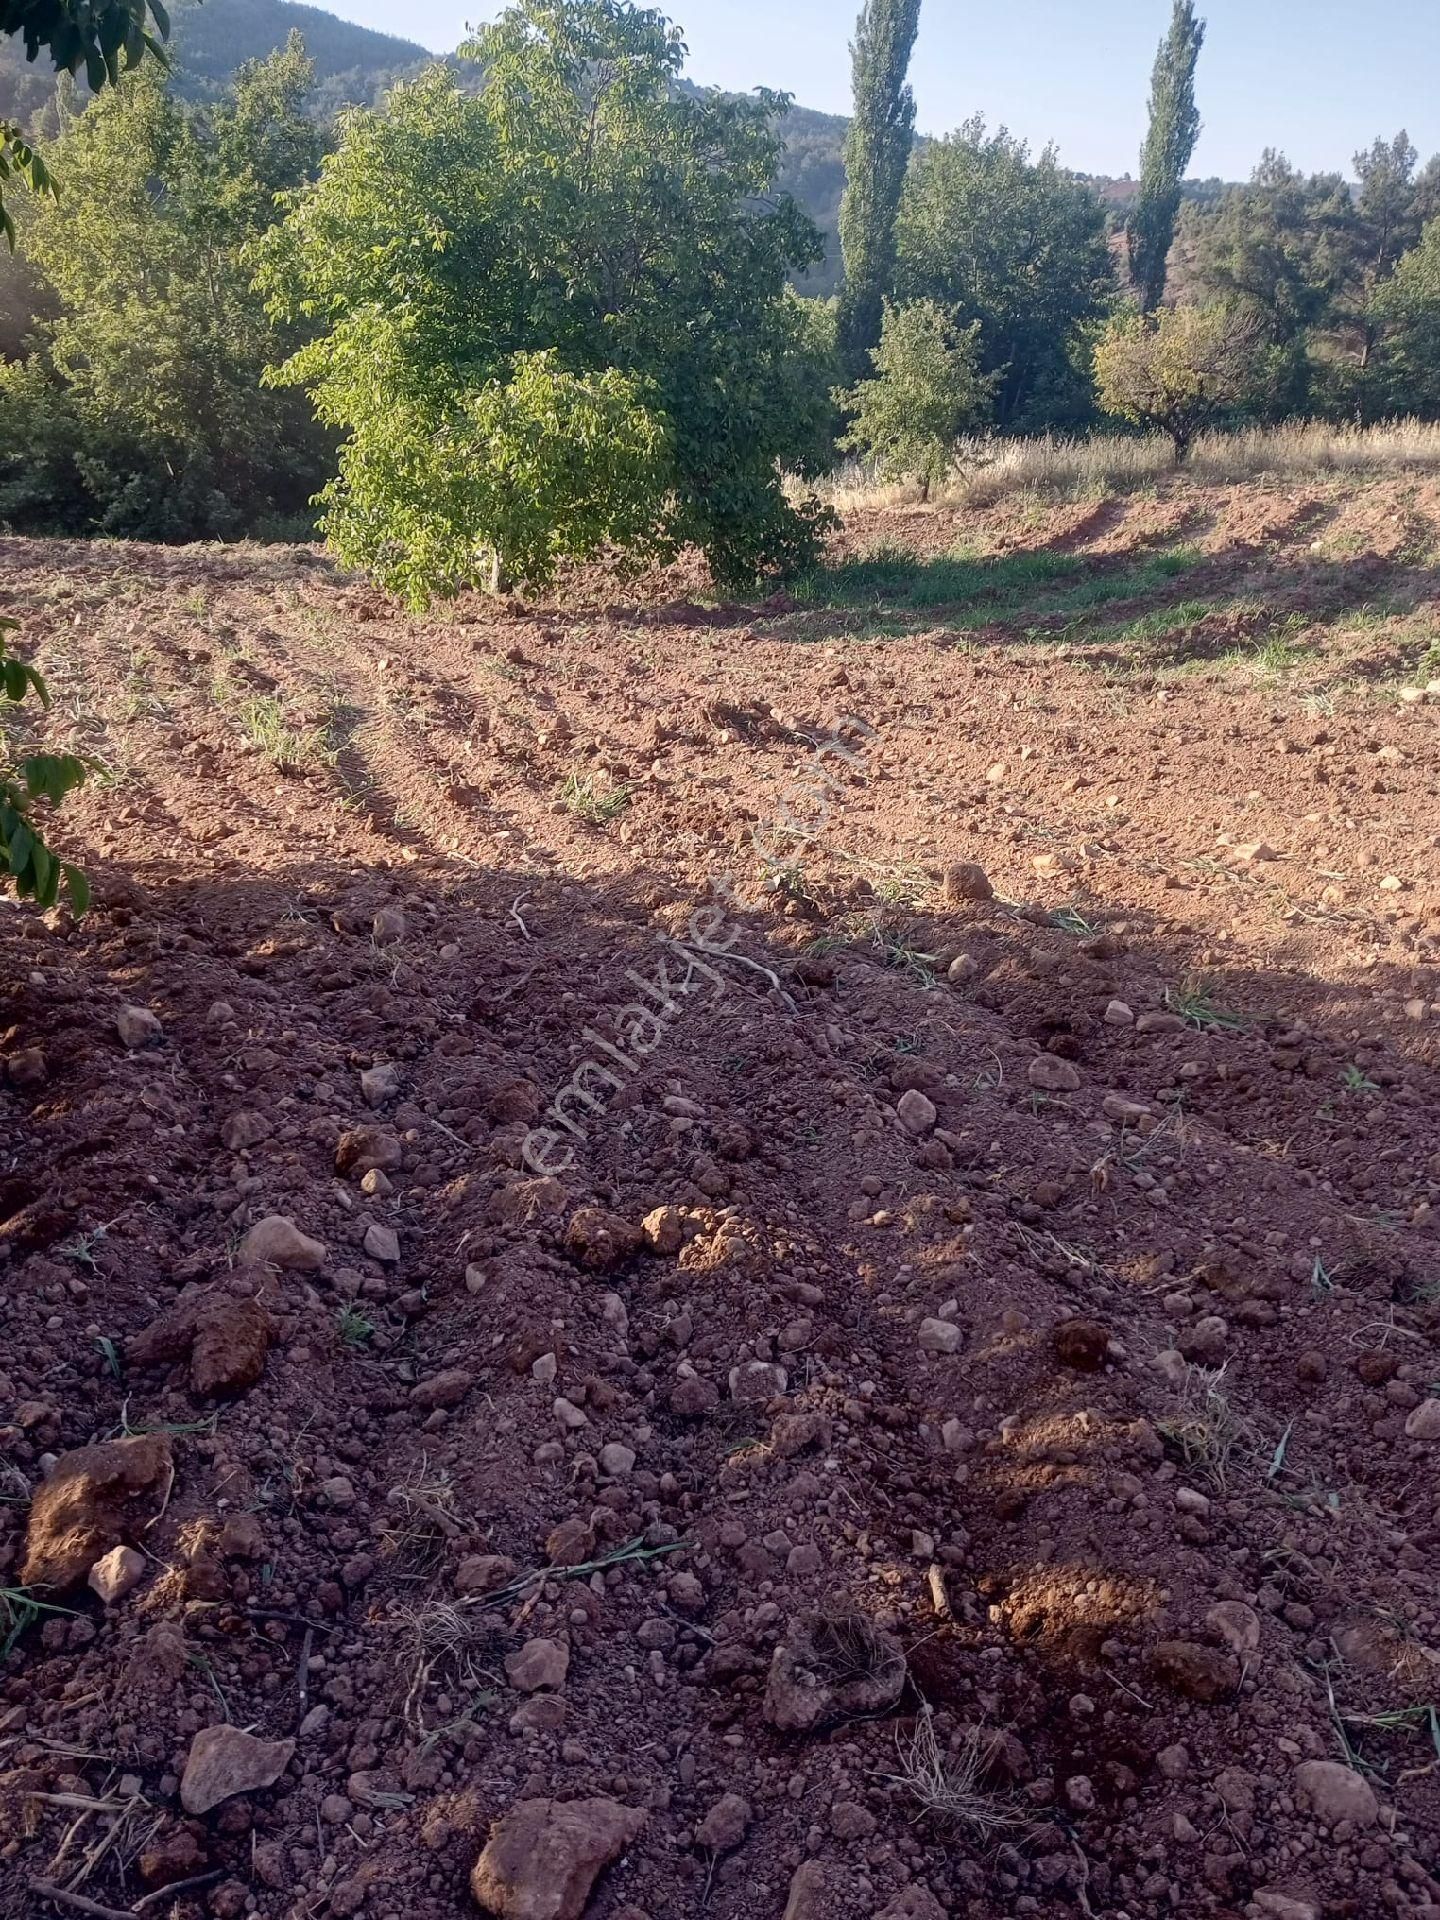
x=665 y=1259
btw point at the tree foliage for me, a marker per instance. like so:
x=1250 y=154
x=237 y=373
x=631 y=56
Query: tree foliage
x=1019 y=246
x=877 y=153
x=575 y=206
x=155 y=422
x=926 y=391
x=1179 y=370
x=96 y=35
x=1169 y=144
x=1406 y=311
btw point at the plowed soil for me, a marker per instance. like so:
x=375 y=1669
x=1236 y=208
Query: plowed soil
x=1041 y=1273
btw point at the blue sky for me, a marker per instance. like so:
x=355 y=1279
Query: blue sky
x=1317 y=78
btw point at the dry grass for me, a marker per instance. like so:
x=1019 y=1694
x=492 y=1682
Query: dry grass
x=445 y=1650
x=1205 y=1427
x=1120 y=463
x=946 y=1785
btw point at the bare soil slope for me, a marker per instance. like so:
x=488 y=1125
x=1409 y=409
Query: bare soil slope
x=957 y=1435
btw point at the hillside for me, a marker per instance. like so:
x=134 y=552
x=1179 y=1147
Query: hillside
x=902 y=1387
x=354 y=66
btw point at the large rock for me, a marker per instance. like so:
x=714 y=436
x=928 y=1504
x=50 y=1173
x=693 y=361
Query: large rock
x=276 y=1241
x=829 y=1667
x=1335 y=1793
x=92 y=1500
x=544 y=1856
x=224 y=1761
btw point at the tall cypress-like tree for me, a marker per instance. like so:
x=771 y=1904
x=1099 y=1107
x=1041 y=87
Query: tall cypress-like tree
x=877 y=152
x=1174 y=129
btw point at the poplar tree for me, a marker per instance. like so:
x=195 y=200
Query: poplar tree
x=877 y=152
x=1169 y=144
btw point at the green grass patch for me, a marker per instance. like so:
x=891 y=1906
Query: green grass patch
x=976 y=590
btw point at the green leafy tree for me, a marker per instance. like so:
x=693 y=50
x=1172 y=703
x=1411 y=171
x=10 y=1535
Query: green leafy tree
x=158 y=350
x=573 y=239
x=1169 y=144
x=74 y=33
x=927 y=390
x=1019 y=246
x=877 y=153
x=99 y=35
x=1407 y=314
x=1179 y=370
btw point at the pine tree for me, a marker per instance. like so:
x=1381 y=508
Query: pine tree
x=877 y=152
x=1174 y=129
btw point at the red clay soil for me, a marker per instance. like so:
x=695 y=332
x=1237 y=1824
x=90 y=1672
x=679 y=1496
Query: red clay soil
x=969 y=1396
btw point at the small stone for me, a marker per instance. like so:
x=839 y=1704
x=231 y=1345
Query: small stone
x=725 y=1825
x=483 y=1573
x=540 y=1665
x=1424 y=1422
x=138 y=1027
x=244 y=1129
x=939 y=1336
x=1237 y=1624
x=1052 y=1074
x=444 y=1389
x=1117 y=1014
x=543 y=1857
x=363 y=1150
x=569 y=1415
x=379 y=1084
x=617 y=1460
x=964 y=880
x=849 y=1820
x=756 y=1381
x=1256 y=851
x=1271 y=1904
x=276 y=1241
x=224 y=1761
x=1160 y=1023
x=1080 y=1793
x=809 y=1897
x=913 y=1903
x=1337 y=1793
x=962 y=968
x=382 y=1243
x=1195 y=1672
x=1125 y=1113
x=116 y=1574
x=26 y=1067
x=1083 y=1345
x=916 y=1113
x=663 y=1231
x=692 y=1397
x=388 y=926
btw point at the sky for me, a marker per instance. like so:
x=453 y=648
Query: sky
x=1316 y=78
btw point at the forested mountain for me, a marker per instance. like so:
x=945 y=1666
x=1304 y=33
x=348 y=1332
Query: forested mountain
x=353 y=65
